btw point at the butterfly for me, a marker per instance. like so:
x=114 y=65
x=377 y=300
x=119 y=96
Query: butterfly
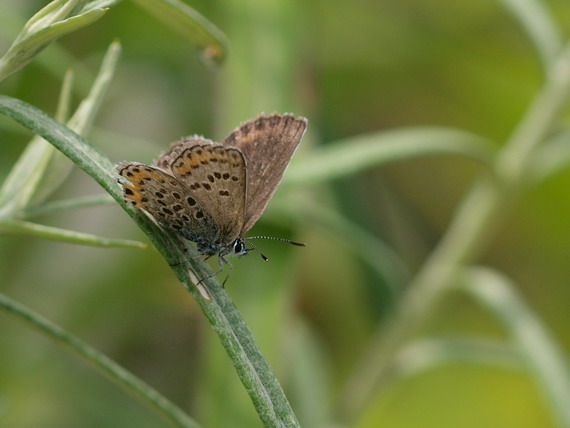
x=213 y=193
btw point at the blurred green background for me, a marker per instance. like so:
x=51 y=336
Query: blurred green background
x=350 y=68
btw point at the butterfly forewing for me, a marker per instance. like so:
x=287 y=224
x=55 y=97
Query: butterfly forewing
x=166 y=199
x=215 y=175
x=267 y=143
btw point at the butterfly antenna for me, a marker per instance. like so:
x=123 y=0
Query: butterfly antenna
x=265 y=259
x=273 y=238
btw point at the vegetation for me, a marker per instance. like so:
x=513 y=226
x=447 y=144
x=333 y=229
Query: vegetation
x=431 y=189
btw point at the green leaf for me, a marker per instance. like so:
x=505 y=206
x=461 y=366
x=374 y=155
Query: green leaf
x=72 y=145
x=27 y=176
x=426 y=354
x=551 y=158
x=82 y=121
x=59 y=167
x=51 y=13
x=66 y=204
x=543 y=356
x=356 y=154
x=537 y=21
x=187 y=22
x=43 y=28
x=41 y=169
x=24 y=178
x=308 y=365
x=20 y=227
x=114 y=371
x=98 y=4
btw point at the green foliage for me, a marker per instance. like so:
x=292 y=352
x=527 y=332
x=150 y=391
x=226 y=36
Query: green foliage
x=421 y=264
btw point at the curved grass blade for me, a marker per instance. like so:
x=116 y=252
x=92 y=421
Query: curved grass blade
x=42 y=29
x=356 y=154
x=21 y=227
x=187 y=22
x=543 y=356
x=67 y=204
x=100 y=361
x=541 y=29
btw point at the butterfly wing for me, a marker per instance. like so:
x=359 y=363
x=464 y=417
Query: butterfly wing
x=166 y=158
x=166 y=200
x=267 y=143
x=216 y=176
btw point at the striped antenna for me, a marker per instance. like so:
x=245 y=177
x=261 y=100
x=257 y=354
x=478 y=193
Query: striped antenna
x=273 y=238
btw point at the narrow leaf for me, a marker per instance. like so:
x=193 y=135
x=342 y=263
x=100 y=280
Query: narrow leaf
x=41 y=169
x=187 y=22
x=426 y=354
x=544 y=357
x=60 y=167
x=356 y=154
x=114 y=371
x=27 y=176
x=26 y=48
x=551 y=158
x=67 y=204
x=540 y=27
x=21 y=227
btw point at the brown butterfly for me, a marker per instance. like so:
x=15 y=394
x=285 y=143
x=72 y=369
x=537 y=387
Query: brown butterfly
x=213 y=193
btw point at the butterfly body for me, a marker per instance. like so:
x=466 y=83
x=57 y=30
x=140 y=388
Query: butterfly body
x=213 y=193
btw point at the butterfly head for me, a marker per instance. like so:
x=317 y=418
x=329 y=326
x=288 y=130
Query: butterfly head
x=239 y=249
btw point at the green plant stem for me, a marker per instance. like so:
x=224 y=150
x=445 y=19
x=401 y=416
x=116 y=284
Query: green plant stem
x=187 y=22
x=68 y=204
x=355 y=154
x=100 y=361
x=537 y=21
x=426 y=354
x=477 y=218
x=254 y=371
x=21 y=227
x=540 y=352
x=43 y=28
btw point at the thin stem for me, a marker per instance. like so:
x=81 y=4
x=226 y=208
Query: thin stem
x=66 y=204
x=21 y=227
x=100 y=361
x=540 y=352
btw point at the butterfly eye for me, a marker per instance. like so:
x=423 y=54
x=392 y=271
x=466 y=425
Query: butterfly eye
x=239 y=247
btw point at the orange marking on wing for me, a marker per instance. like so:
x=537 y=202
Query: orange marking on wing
x=196 y=160
x=137 y=176
x=133 y=193
x=182 y=168
x=247 y=138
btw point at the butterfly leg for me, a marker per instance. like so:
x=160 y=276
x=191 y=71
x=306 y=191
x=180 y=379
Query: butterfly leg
x=223 y=260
